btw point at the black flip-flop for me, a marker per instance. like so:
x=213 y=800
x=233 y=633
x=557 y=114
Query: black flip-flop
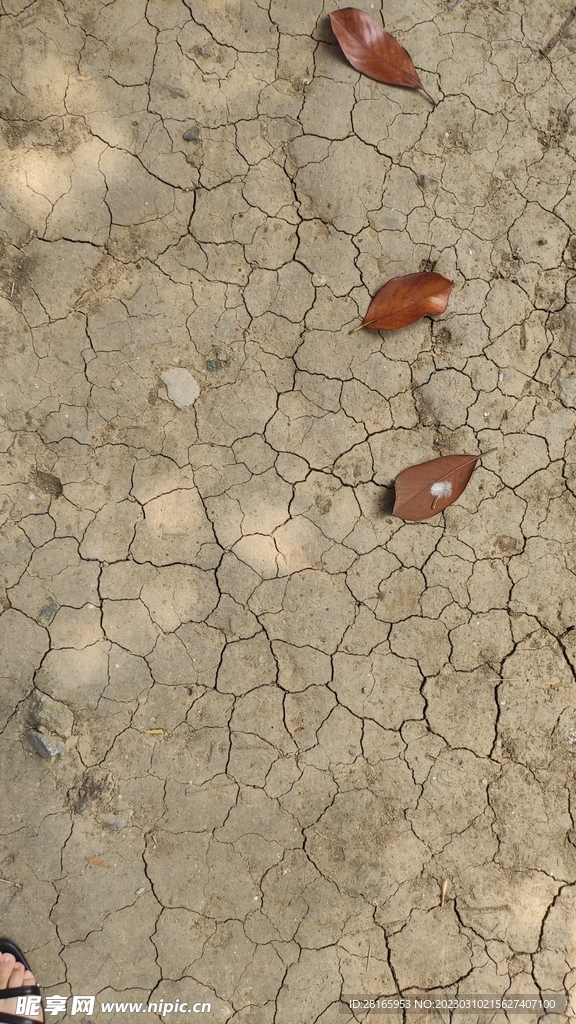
x=7 y=946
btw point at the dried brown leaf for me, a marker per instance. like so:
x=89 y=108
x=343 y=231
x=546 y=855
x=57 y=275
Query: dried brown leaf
x=372 y=50
x=427 y=489
x=404 y=300
x=98 y=862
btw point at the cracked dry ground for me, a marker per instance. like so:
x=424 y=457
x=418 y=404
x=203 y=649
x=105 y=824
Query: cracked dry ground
x=353 y=709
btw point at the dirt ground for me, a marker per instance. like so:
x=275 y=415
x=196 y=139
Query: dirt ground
x=301 y=749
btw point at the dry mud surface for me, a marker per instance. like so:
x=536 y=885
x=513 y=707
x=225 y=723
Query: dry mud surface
x=290 y=721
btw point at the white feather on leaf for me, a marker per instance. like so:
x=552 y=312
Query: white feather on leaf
x=441 y=489
x=430 y=487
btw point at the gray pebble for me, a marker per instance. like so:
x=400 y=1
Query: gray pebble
x=192 y=135
x=46 y=746
x=182 y=389
x=49 y=714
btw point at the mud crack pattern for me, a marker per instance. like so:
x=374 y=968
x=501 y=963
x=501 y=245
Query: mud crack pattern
x=291 y=720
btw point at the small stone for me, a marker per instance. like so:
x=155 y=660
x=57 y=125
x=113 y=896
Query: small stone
x=51 y=715
x=211 y=365
x=47 y=483
x=182 y=388
x=192 y=135
x=46 y=746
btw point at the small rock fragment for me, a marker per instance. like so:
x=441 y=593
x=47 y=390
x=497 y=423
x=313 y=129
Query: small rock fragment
x=50 y=715
x=46 y=746
x=47 y=483
x=182 y=388
x=192 y=135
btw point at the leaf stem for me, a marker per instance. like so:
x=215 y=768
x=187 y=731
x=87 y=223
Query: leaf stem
x=365 y=323
x=426 y=93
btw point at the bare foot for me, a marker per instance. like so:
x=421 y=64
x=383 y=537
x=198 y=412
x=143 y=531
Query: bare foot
x=13 y=975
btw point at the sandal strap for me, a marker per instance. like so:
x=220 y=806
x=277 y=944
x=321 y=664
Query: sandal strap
x=11 y=1018
x=7 y=946
x=24 y=990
